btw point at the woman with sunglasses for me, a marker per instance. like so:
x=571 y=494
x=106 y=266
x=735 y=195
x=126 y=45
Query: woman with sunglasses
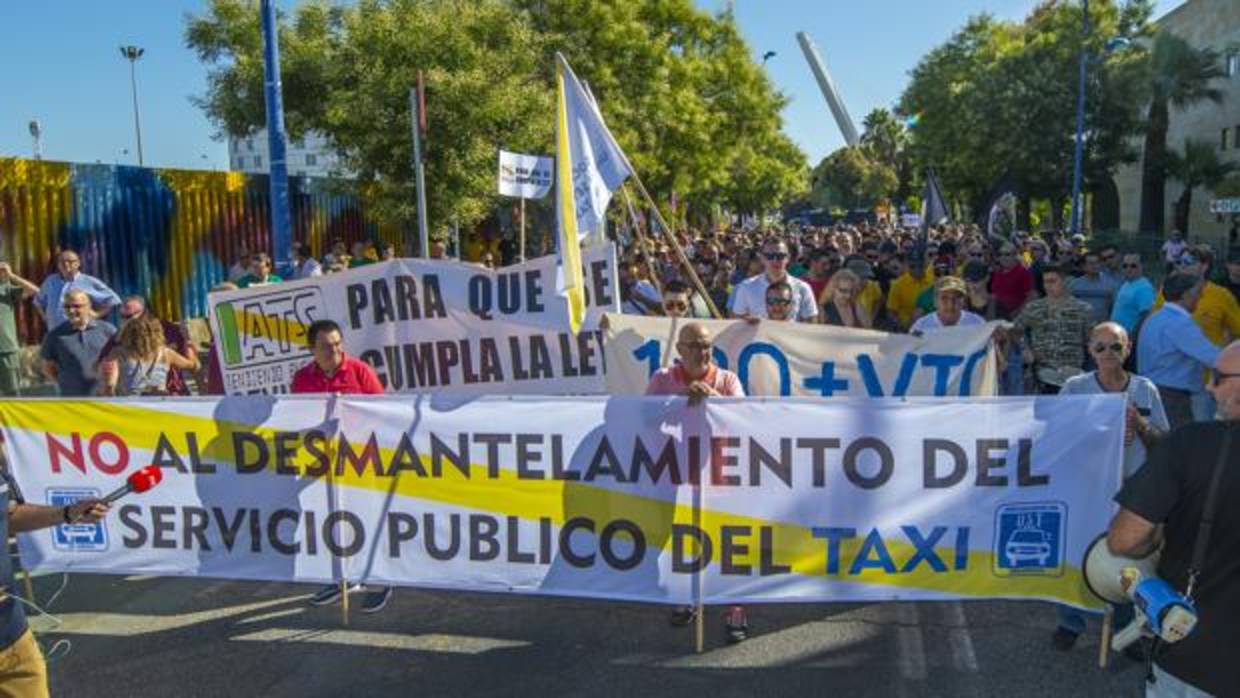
x=1145 y=423
x=839 y=301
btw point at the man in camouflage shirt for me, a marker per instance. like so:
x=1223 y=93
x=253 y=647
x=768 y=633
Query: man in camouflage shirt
x=1056 y=327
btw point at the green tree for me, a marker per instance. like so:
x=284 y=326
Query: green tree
x=1198 y=166
x=1180 y=76
x=1001 y=96
x=347 y=72
x=679 y=88
x=684 y=97
x=885 y=139
x=848 y=178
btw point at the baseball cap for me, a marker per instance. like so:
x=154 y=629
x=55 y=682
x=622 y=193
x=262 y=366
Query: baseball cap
x=950 y=283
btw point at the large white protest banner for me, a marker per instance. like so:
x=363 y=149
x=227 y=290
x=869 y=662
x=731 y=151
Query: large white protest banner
x=525 y=176
x=425 y=325
x=795 y=499
x=780 y=358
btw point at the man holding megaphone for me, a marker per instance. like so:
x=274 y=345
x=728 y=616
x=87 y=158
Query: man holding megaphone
x=1187 y=499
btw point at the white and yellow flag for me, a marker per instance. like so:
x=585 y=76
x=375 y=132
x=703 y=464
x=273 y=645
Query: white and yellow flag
x=589 y=167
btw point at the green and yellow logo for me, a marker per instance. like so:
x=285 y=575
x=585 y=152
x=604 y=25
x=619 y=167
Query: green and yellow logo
x=267 y=327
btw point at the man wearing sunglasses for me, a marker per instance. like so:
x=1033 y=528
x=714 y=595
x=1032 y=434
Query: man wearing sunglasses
x=1173 y=351
x=676 y=299
x=1145 y=424
x=1135 y=296
x=70 y=351
x=697 y=377
x=1164 y=504
x=749 y=297
x=779 y=301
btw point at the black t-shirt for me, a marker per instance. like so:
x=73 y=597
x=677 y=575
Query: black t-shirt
x=1171 y=489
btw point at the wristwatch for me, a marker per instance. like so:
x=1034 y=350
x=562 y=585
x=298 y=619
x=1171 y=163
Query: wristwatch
x=66 y=517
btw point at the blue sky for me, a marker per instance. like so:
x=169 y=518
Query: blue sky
x=64 y=68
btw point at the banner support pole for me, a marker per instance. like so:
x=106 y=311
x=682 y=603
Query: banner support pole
x=331 y=484
x=1104 y=643
x=699 y=622
x=521 y=243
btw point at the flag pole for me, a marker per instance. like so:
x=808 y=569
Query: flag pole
x=641 y=187
x=521 y=244
x=628 y=203
x=680 y=253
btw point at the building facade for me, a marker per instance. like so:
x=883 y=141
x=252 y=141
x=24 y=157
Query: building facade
x=311 y=156
x=1203 y=24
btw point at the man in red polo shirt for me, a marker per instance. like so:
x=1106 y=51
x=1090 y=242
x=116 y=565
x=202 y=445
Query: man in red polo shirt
x=697 y=377
x=334 y=371
x=1011 y=284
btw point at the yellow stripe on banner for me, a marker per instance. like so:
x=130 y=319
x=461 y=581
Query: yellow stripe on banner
x=792 y=545
x=570 y=245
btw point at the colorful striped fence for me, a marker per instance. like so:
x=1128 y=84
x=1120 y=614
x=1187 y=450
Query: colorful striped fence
x=167 y=234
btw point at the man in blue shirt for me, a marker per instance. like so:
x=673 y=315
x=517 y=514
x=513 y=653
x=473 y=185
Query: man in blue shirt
x=1135 y=296
x=1173 y=352
x=51 y=296
x=1095 y=288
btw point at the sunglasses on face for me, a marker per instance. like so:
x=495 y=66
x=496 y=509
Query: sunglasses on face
x=1219 y=377
x=773 y=300
x=1130 y=265
x=775 y=256
x=1115 y=347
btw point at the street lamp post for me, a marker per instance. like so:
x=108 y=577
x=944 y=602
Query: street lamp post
x=132 y=54
x=1078 y=150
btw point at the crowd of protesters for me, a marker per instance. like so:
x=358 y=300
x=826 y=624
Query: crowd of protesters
x=1078 y=318
x=1073 y=315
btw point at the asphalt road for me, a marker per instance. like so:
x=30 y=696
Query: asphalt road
x=142 y=636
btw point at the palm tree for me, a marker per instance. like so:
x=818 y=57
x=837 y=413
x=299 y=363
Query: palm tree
x=1199 y=166
x=1181 y=77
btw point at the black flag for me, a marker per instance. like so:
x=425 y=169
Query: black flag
x=934 y=206
x=997 y=217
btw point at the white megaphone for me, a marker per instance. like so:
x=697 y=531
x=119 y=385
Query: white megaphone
x=1104 y=570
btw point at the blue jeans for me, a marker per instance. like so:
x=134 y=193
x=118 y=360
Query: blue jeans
x=1074 y=620
x=1167 y=686
x=1012 y=381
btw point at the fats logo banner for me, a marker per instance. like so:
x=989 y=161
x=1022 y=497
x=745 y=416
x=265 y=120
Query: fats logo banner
x=425 y=325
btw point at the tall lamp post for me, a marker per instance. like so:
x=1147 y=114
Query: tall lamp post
x=132 y=54
x=1078 y=150
x=1113 y=44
